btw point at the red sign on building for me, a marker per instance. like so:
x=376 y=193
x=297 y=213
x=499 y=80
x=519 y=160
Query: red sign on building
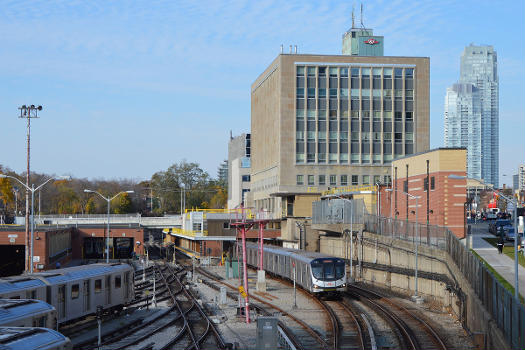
x=371 y=41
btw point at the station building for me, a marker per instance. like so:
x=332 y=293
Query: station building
x=62 y=244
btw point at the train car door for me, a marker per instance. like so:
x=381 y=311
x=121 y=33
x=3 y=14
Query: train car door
x=61 y=301
x=108 y=289
x=87 y=296
x=126 y=285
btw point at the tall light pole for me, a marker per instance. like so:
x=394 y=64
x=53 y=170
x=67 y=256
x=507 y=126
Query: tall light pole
x=32 y=189
x=415 y=297
x=108 y=199
x=28 y=112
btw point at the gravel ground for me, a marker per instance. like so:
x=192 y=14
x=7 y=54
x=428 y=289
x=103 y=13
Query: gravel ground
x=279 y=294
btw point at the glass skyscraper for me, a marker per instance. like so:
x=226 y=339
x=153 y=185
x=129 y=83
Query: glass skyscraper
x=472 y=113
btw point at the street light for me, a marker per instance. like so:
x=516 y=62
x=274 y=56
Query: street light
x=415 y=297
x=108 y=199
x=32 y=189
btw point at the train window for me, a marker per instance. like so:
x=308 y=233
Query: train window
x=98 y=286
x=329 y=271
x=317 y=269
x=339 y=269
x=15 y=297
x=118 y=281
x=74 y=291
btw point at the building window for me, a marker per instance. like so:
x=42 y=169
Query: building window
x=366 y=179
x=405 y=186
x=300 y=179
x=425 y=184
x=311 y=180
x=355 y=180
x=344 y=180
x=322 y=180
x=74 y=291
x=432 y=183
x=300 y=70
x=377 y=179
x=333 y=180
x=226 y=225
x=246 y=178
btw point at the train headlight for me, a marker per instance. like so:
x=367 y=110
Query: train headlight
x=316 y=286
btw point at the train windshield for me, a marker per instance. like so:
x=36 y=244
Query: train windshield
x=328 y=269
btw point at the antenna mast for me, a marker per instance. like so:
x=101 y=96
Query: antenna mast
x=353 y=16
x=362 y=25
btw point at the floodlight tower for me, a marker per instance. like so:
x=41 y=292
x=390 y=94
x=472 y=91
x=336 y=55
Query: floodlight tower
x=28 y=112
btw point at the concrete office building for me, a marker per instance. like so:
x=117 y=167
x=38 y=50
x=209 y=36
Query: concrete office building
x=239 y=165
x=321 y=121
x=472 y=113
x=516 y=182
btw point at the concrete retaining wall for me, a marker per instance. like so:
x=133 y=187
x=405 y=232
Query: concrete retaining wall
x=389 y=263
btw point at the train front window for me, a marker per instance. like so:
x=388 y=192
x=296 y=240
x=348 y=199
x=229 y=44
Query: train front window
x=339 y=269
x=317 y=269
x=329 y=270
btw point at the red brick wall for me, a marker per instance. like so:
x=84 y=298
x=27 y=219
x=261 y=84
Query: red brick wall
x=446 y=201
x=115 y=232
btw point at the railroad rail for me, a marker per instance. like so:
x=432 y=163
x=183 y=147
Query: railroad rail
x=413 y=332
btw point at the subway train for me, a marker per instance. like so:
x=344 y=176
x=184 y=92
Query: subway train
x=23 y=338
x=74 y=291
x=27 y=313
x=316 y=272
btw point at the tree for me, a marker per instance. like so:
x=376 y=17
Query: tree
x=122 y=204
x=91 y=207
x=219 y=199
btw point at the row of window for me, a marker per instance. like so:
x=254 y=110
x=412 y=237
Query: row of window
x=355 y=93
x=365 y=115
x=75 y=288
x=333 y=72
x=331 y=180
x=365 y=136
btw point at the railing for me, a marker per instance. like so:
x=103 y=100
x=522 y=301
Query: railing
x=191 y=233
x=506 y=311
x=431 y=235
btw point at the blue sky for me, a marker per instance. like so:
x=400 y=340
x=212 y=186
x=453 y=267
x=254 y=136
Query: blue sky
x=129 y=88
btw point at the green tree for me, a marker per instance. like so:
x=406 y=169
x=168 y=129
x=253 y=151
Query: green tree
x=219 y=199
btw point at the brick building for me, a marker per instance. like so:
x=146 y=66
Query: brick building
x=443 y=170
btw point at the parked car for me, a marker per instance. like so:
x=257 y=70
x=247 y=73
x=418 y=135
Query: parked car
x=510 y=234
x=495 y=226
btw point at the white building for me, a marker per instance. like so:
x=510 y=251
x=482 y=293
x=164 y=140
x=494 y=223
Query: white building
x=239 y=167
x=472 y=113
x=521 y=178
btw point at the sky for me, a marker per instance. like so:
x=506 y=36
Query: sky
x=129 y=88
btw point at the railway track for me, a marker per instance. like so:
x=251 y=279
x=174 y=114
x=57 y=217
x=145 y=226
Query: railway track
x=348 y=330
x=181 y=325
x=412 y=332
x=305 y=336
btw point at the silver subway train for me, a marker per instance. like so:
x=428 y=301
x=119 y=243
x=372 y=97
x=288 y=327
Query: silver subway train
x=22 y=338
x=27 y=313
x=316 y=272
x=74 y=291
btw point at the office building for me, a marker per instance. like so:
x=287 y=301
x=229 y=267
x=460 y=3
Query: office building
x=516 y=182
x=471 y=113
x=321 y=121
x=239 y=165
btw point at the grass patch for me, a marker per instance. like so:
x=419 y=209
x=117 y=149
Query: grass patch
x=500 y=278
x=507 y=250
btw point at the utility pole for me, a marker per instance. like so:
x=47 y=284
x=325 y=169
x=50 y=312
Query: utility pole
x=28 y=112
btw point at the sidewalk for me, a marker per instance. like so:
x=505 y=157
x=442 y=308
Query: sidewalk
x=500 y=262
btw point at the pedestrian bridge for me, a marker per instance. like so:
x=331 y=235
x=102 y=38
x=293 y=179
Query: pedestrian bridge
x=115 y=219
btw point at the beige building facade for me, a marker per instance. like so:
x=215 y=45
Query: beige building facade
x=321 y=121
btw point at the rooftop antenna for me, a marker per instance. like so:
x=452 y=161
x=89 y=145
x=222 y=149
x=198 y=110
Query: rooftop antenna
x=353 y=16
x=362 y=25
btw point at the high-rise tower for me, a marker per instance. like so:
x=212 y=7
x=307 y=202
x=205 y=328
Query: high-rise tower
x=472 y=113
